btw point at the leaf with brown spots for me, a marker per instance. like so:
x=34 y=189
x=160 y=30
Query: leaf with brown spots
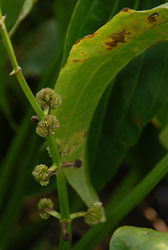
x=82 y=84
x=153 y=18
x=116 y=39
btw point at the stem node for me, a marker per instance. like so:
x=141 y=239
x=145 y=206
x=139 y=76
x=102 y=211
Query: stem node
x=14 y=72
x=66 y=236
x=2 y=22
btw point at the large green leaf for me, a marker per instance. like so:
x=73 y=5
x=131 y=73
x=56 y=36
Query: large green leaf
x=91 y=15
x=96 y=16
x=127 y=238
x=135 y=100
x=63 y=11
x=93 y=63
x=26 y=9
x=14 y=205
x=113 y=123
x=140 y=157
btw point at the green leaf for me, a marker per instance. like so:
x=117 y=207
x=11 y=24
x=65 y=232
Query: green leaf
x=147 y=152
x=93 y=63
x=98 y=143
x=127 y=238
x=87 y=17
x=63 y=11
x=26 y=9
x=11 y=157
x=91 y=15
x=14 y=205
x=12 y=11
x=135 y=100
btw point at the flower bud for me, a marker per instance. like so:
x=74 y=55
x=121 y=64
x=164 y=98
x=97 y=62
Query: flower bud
x=94 y=214
x=43 y=205
x=41 y=174
x=47 y=126
x=48 y=97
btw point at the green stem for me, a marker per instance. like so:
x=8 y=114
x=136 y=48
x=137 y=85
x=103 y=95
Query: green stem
x=54 y=151
x=62 y=192
x=61 y=181
x=63 y=196
x=77 y=215
x=53 y=213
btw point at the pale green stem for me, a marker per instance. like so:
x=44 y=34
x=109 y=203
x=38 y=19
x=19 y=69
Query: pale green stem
x=61 y=181
x=53 y=213
x=77 y=215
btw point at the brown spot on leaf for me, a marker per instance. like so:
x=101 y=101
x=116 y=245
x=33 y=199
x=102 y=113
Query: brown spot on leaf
x=77 y=140
x=125 y=10
x=136 y=28
x=153 y=18
x=78 y=41
x=76 y=60
x=79 y=60
x=92 y=35
x=85 y=134
x=65 y=64
x=85 y=37
x=116 y=39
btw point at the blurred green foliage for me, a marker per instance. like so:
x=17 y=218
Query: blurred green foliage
x=42 y=43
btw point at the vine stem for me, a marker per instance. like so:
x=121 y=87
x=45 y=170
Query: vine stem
x=60 y=177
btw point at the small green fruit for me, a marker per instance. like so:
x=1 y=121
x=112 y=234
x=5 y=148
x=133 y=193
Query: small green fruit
x=94 y=214
x=48 y=97
x=44 y=204
x=47 y=126
x=41 y=175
